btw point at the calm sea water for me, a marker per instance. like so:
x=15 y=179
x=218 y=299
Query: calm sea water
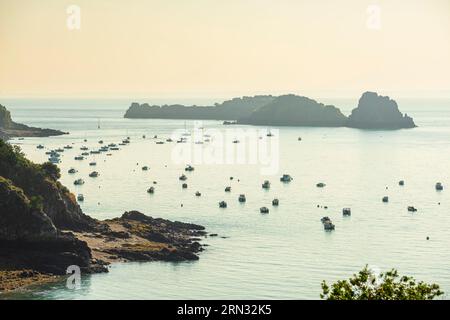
x=286 y=253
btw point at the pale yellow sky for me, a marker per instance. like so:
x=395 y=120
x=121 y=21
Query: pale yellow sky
x=221 y=48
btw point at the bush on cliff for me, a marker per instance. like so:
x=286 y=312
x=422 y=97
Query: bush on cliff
x=40 y=184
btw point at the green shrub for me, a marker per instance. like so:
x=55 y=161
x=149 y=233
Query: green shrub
x=366 y=285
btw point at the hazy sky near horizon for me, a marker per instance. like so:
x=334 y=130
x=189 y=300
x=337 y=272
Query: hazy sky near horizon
x=205 y=48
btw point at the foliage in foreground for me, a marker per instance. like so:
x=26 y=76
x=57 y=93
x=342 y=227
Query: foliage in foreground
x=366 y=285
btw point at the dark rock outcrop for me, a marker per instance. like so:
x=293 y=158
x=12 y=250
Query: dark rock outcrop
x=10 y=129
x=292 y=110
x=229 y=110
x=49 y=256
x=378 y=112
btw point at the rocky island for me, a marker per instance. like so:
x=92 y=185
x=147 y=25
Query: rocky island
x=229 y=110
x=373 y=112
x=10 y=129
x=292 y=110
x=378 y=112
x=43 y=230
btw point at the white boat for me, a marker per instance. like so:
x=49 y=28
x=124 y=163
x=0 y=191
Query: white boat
x=80 y=198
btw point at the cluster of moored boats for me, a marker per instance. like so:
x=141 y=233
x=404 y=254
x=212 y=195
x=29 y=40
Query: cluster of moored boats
x=55 y=157
x=438 y=186
x=56 y=154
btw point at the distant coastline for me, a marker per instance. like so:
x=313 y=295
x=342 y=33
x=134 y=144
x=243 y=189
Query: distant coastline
x=10 y=129
x=373 y=112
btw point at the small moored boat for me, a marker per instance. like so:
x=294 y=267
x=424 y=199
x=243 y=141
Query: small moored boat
x=93 y=174
x=328 y=226
x=78 y=182
x=320 y=185
x=264 y=210
x=286 y=178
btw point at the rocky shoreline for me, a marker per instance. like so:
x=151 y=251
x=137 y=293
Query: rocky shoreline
x=132 y=237
x=43 y=230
